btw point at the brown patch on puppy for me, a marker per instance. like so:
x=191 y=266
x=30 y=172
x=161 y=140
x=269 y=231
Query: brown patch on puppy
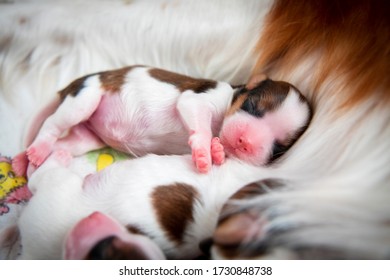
x=113 y=81
x=183 y=82
x=273 y=93
x=265 y=97
x=135 y=230
x=173 y=205
x=113 y=248
x=73 y=88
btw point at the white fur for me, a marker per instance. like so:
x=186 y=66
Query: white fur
x=123 y=191
x=291 y=115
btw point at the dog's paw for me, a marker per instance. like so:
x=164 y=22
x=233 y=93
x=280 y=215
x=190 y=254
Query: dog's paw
x=38 y=153
x=202 y=160
x=217 y=151
x=200 y=146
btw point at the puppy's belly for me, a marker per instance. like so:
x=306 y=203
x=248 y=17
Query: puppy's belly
x=138 y=130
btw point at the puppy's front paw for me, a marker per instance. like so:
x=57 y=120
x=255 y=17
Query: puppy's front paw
x=200 y=146
x=217 y=151
x=202 y=160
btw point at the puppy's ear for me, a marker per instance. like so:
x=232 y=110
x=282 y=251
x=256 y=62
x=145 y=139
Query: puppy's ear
x=255 y=80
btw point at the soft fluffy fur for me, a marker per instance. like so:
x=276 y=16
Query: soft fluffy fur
x=334 y=202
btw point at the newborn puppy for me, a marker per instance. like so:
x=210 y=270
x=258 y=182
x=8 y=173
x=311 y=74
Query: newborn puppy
x=141 y=110
x=145 y=208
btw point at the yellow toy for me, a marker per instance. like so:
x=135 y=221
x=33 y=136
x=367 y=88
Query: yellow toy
x=104 y=160
x=105 y=157
x=13 y=189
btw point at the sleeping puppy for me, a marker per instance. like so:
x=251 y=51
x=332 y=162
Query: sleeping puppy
x=141 y=110
x=146 y=208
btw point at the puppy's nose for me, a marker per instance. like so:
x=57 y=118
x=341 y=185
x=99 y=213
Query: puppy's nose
x=244 y=145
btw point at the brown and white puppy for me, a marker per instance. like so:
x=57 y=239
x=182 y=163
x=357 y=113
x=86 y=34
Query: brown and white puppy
x=151 y=207
x=141 y=110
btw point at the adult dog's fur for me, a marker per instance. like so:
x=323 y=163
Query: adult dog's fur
x=332 y=199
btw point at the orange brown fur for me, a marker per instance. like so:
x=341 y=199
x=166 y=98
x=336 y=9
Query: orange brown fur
x=349 y=38
x=182 y=82
x=237 y=104
x=112 y=81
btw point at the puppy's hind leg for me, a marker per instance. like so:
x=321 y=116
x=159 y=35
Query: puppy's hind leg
x=79 y=141
x=76 y=108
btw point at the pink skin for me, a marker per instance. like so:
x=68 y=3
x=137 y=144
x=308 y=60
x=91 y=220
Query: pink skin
x=203 y=156
x=97 y=226
x=199 y=143
x=3 y=209
x=87 y=233
x=79 y=141
x=39 y=152
x=217 y=151
x=247 y=138
x=20 y=164
x=242 y=136
x=61 y=157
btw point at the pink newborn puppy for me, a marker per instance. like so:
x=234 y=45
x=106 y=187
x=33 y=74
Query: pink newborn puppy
x=141 y=110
